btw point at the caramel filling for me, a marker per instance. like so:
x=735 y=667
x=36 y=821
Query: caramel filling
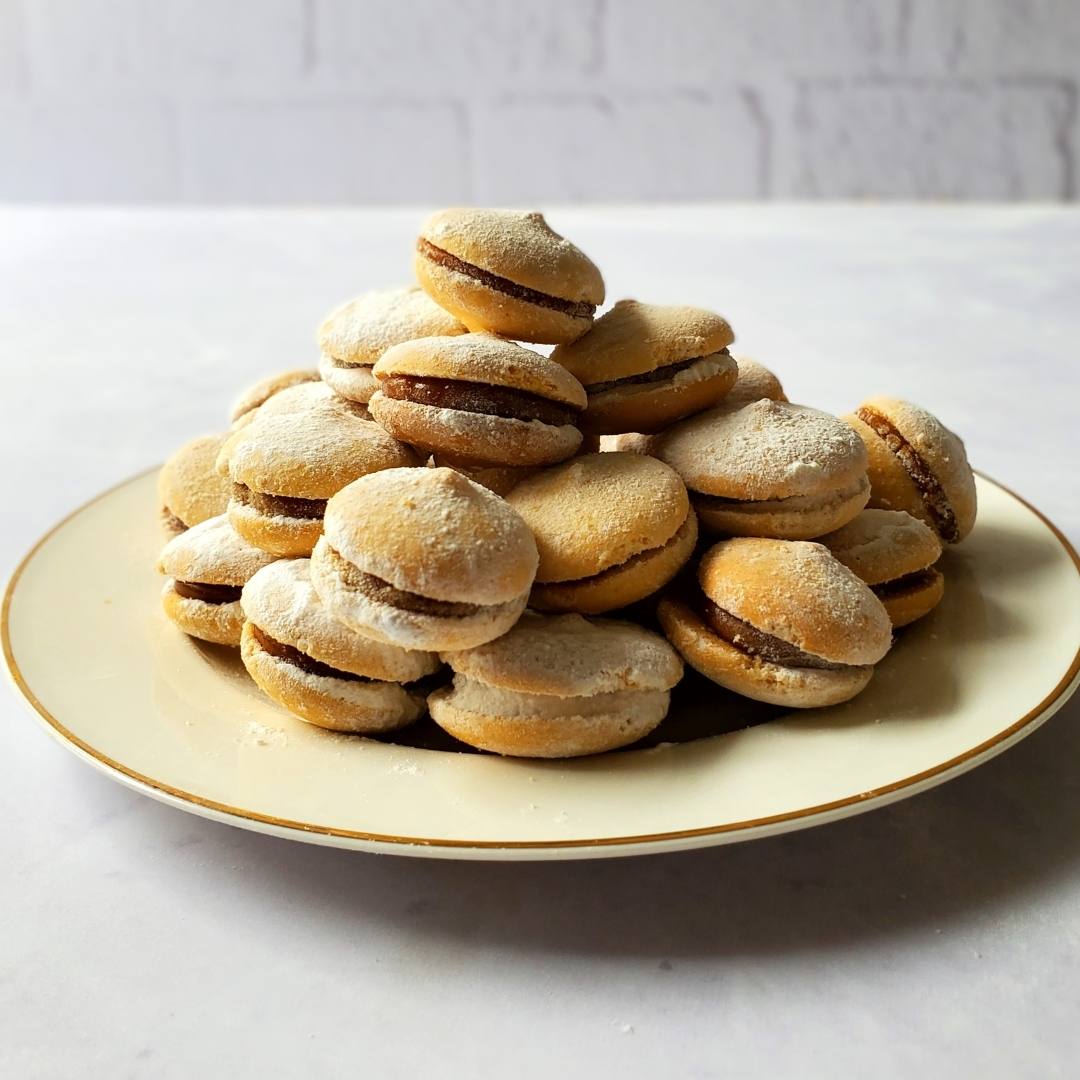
x=749 y=639
x=208 y=594
x=933 y=494
x=171 y=521
x=660 y=374
x=383 y=592
x=349 y=365
x=579 y=309
x=500 y=401
x=279 y=505
x=921 y=579
x=300 y=659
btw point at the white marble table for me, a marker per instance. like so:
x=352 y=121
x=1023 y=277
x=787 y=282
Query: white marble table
x=940 y=936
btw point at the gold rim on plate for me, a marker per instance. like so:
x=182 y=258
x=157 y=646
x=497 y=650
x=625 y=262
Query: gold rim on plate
x=1057 y=696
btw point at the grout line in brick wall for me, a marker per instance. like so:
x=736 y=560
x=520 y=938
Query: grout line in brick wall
x=759 y=115
x=309 y=47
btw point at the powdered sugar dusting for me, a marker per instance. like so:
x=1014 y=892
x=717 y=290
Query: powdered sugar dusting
x=796 y=591
x=282 y=602
x=765 y=450
x=570 y=656
x=438 y=534
x=213 y=553
x=362 y=329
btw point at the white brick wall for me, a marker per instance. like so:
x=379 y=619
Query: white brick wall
x=503 y=101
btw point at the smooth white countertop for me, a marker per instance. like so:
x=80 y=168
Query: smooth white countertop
x=940 y=935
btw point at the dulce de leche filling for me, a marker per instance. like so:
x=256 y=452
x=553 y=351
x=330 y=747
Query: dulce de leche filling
x=208 y=594
x=300 y=659
x=920 y=579
x=660 y=374
x=922 y=476
x=580 y=309
x=279 y=505
x=503 y=401
x=749 y=639
x=383 y=592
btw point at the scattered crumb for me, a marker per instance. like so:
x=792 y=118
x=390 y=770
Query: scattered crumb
x=256 y=734
x=406 y=768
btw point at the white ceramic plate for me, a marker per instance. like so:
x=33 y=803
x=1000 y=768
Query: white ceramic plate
x=89 y=649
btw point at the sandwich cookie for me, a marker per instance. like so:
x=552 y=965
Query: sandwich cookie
x=424 y=559
x=918 y=465
x=190 y=489
x=478 y=399
x=255 y=396
x=611 y=529
x=779 y=621
x=769 y=469
x=321 y=671
x=509 y=273
x=207 y=567
x=645 y=366
x=558 y=686
x=755 y=381
x=894 y=554
x=285 y=464
x=355 y=335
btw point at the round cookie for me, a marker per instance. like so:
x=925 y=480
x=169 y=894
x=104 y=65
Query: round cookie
x=894 y=553
x=780 y=621
x=918 y=465
x=288 y=461
x=508 y=272
x=207 y=567
x=644 y=366
x=262 y=391
x=328 y=675
x=755 y=381
x=354 y=335
x=478 y=399
x=558 y=686
x=190 y=489
x=424 y=559
x=769 y=469
x=611 y=529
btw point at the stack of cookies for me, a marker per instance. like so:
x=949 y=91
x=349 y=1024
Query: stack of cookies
x=526 y=545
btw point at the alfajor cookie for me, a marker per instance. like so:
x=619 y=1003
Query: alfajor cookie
x=262 y=391
x=479 y=399
x=755 y=381
x=424 y=559
x=289 y=460
x=894 y=553
x=354 y=335
x=508 y=272
x=611 y=529
x=644 y=366
x=330 y=676
x=207 y=567
x=558 y=686
x=918 y=465
x=190 y=489
x=780 y=621
x=769 y=469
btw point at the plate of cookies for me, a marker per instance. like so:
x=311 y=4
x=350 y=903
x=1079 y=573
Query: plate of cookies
x=508 y=575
